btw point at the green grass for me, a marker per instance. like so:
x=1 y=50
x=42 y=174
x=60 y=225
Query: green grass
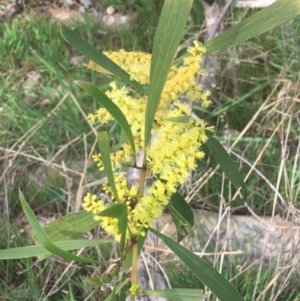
x=46 y=123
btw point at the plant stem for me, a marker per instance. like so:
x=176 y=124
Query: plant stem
x=142 y=181
x=134 y=275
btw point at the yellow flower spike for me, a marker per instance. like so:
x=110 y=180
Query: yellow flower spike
x=172 y=152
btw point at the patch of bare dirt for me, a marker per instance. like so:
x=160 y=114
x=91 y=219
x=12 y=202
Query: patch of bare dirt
x=67 y=11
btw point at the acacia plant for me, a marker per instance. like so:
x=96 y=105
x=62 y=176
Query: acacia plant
x=160 y=129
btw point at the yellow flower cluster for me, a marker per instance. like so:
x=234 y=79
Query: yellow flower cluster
x=118 y=158
x=95 y=205
x=174 y=148
x=135 y=289
x=136 y=64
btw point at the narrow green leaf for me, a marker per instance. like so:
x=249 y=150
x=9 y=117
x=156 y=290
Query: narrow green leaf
x=203 y=270
x=44 y=239
x=105 y=158
x=71 y=226
x=179 y=119
x=227 y=165
x=180 y=204
x=182 y=216
x=99 y=58
x=123 y=290
x=118 y=211
x=177 y=294
x=30 y=251
x=169 y=32
x=280 y=12
x=112 y=108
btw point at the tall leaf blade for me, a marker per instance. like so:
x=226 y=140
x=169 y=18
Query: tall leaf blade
x=228 y=166
x=280 y=12
x=112 y=108
x=179 y=119
x=177 y=294
x=182 y=216
x=44 y=239
x=105 y=158
x=180 y=204
x=71 y=226
x=203 y=270
x=91 y=53
x=31 y=251
x=122 y=294
x=169 y=32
